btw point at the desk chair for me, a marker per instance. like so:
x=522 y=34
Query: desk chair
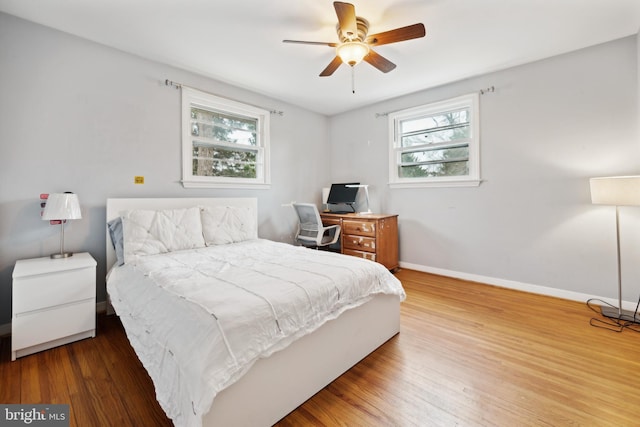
x=311 y=232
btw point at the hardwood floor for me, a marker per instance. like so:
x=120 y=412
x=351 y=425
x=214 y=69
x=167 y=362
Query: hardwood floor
x=100 y=378
x=468 y=355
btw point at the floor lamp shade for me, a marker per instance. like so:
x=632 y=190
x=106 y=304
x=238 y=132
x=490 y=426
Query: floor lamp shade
x=62 y=206
x=616 y=190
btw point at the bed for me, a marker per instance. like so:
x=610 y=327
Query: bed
x=278 y=376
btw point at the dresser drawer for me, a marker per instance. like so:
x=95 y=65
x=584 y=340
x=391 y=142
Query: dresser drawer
x=360 y=228
x=46 y=290
x=360 y=254
x=359 y=243
x=48 y=325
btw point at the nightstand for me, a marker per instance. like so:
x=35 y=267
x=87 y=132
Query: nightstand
x=54 y=302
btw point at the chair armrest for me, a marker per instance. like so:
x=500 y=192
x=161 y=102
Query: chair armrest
x=332 y=228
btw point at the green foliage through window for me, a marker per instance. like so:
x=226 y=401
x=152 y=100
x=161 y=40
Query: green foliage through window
x=215 y=137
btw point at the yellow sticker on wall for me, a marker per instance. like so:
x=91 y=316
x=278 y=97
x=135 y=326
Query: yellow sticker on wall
x=138 y=179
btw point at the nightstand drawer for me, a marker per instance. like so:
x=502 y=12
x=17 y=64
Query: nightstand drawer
x=49 y=325
x=360 y=254
x=361 y=228
x=46 y=290
x=360 y=243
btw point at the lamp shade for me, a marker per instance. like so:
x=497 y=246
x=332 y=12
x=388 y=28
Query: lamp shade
x=325 y=195
x=62 y=206
x=352 y=53
x=616 y=190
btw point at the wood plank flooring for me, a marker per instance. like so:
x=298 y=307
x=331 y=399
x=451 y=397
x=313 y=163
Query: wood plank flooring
x=468 y=355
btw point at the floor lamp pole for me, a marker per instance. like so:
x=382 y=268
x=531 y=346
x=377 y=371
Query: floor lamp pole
x=619 y=262
x=618 y=312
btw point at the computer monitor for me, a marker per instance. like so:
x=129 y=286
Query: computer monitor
x=343 y=194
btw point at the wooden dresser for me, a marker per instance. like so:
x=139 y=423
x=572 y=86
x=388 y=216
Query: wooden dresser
x=370 y=236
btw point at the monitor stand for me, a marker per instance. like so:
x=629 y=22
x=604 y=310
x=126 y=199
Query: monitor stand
x=342 y=211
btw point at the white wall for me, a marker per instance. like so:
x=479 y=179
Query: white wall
x=547 y=128
x=78 y=116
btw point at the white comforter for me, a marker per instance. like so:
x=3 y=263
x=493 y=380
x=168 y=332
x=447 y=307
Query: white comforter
x=199 y=319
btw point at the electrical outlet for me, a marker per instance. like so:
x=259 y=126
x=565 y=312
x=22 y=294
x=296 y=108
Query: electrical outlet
x=138 y=179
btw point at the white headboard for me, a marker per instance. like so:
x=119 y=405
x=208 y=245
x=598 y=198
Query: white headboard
x=115 y=206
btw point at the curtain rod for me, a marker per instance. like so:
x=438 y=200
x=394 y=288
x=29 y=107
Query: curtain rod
x=481 y=92
x=176 y=85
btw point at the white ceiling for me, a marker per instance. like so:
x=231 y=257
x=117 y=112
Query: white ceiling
x=240 y=41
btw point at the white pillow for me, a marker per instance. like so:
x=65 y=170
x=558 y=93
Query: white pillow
x=149 y=232
x=228 y=224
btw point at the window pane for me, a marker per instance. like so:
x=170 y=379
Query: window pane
x=435 y=136
x=434 y=170
x=217 y=161
x=457 y=153
x=439 y=127
x=221 y=127
x=435 y=121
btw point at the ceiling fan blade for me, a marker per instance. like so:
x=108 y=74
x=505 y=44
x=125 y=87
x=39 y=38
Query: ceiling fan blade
x=379 y=61
x=333 y=66
x=346 y=19
x=306 y=42
x=409 y=32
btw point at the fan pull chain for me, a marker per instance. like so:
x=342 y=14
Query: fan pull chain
x=353 y=79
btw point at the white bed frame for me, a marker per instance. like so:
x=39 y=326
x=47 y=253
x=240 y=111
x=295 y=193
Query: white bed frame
x=277 y=385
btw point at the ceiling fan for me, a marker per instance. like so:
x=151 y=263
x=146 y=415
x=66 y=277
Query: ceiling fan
x=355 y=46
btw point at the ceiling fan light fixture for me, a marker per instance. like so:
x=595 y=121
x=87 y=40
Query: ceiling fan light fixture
x=356 y=44
x=352 y=53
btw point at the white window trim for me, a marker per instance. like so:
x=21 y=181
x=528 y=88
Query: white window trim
x=195 y=97
x=470 y=180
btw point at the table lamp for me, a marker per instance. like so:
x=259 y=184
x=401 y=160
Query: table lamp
x=366 y=195
x=616 y=191
x=62 y=207
x=325 y=196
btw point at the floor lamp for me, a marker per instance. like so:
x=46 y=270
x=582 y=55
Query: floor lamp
x=617 y=191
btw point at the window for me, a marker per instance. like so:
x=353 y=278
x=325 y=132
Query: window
x=435 y=144
x=224 y=143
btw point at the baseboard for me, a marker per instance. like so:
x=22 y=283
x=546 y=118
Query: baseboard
x=5 y=330
x=520 y=286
